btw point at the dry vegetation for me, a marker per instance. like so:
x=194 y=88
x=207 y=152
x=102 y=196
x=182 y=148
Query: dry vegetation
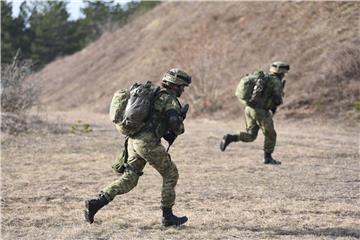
x=49 y=172
x=218 y=43
x=314 y=194
x=18 y=95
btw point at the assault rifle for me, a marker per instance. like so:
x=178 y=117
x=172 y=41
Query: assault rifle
x=170 y=137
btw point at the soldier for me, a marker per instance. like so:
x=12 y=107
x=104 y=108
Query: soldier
x=264 y=99
x=166 y=121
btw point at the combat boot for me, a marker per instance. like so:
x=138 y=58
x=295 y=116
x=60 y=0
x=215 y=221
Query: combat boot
x=94 y=205
x=269 y=160
x=169 y=219
x=227 y=139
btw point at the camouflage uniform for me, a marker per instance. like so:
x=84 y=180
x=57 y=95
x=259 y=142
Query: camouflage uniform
x=259 y=116
x=257 y=113
x=165 y=121
x=146 y=147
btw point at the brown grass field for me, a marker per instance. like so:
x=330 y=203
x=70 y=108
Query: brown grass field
x=314 y=194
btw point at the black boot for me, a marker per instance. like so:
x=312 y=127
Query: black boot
x=92 y=206
x=169 y=219
x=269 y=160
x=227 y=139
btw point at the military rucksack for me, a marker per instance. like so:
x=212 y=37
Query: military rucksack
x=130 y=108
x=251 y=87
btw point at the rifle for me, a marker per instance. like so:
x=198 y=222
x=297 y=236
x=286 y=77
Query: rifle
x=170 y=137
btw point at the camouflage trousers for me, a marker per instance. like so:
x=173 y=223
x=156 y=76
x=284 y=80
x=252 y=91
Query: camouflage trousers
x=142 y=149
x=255 y=119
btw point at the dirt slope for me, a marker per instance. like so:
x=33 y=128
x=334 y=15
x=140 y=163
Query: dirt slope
x=218 y=43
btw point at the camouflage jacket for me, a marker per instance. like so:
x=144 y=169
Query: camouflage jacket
x=165 y=101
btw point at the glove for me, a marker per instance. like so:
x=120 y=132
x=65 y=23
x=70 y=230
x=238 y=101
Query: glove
x=273 y=110
x=170 y=137
x=277 y=100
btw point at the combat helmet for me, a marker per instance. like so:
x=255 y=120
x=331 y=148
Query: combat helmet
x=279 y=67
x=177 y=77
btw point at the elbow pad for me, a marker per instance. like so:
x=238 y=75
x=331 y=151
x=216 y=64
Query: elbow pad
x=174 y=122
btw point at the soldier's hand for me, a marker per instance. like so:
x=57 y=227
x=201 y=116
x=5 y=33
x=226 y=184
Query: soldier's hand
x=273 y=110
x=170 y=137
x=277 y=100
x=184 y=110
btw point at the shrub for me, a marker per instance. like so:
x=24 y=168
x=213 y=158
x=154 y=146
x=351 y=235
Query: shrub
x=209 y=68
x=18 y=95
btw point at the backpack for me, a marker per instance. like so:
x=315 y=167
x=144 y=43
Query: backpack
x=251 y=87
x=130 y=108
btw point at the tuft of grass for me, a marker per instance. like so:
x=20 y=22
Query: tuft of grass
x=80 y=127
x=357 y=105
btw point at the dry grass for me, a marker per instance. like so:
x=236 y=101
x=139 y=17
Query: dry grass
x=231 y=195
x=336 y=87
x=218 y=43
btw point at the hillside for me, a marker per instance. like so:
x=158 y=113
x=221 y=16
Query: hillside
x=218 y=43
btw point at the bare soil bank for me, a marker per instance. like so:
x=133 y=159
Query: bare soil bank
x=218 y=42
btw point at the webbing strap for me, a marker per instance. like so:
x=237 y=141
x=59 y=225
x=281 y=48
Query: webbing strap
x=126 y=153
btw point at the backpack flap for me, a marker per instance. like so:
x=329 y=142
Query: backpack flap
x=130 y=109
x=118 y=105
x=245 y=89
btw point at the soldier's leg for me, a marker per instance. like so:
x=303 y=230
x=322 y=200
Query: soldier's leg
x=129 y=179
x=250 y=135
x=155 y=154
x=267 y=126
x=252 y=127
x=124 y=184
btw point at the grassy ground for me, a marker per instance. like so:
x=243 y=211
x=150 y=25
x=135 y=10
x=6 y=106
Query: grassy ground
x=314 y=194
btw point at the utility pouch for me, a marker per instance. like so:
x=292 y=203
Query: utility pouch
x=121 y=159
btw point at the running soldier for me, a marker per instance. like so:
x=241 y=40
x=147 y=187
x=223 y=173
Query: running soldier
x=165 y=121
x=261 y=102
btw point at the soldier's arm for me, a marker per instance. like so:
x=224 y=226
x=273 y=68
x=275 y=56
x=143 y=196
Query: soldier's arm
x=277 y=93
x=172 y=110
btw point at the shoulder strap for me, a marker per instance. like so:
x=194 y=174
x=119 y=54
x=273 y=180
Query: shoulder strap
x=157 y=94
